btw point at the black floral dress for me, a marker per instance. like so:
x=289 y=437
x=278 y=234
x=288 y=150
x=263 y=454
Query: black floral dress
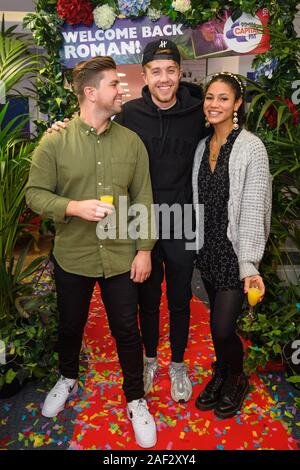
x=217 y=260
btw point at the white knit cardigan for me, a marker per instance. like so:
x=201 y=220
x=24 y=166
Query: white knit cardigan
x=250 y=200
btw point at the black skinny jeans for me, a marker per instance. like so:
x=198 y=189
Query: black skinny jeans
x=170 y=259
x=120 y=295
x=225 y=308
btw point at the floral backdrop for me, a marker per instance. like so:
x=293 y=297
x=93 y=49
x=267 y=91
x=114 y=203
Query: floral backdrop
x=50 y=15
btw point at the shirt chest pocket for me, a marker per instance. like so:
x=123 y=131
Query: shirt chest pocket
x=122 y=174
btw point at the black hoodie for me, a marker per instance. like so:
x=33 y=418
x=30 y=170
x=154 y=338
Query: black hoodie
x=171 y=137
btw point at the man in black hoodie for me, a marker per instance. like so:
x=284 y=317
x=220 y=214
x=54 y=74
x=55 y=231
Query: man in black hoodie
x=169 y=120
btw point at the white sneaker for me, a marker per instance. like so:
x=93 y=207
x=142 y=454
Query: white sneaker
x=142 y=422
x=181 y=385
x=150 y=373
x=58 y=395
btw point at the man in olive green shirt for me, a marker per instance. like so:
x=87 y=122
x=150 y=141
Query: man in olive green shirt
x=67 y=175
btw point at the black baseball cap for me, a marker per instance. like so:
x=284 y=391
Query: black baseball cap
x=153 y=49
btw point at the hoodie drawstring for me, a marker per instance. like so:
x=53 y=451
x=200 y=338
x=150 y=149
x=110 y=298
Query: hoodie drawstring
x=163 y=133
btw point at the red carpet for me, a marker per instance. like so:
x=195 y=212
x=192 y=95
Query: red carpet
x=102 y=422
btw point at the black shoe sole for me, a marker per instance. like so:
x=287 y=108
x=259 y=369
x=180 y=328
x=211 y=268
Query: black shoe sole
x=232 y=413
x=203 y=407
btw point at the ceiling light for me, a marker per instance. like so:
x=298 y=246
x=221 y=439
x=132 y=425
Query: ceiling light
x=124 y=84
x=121 y=74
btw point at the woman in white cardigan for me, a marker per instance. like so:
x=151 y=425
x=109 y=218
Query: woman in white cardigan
x=231 y=180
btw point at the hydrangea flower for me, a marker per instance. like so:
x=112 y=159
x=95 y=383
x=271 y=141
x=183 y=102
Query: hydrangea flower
x=104 y=16
x=266 y=69
x=154 y=14
x=181 y=5
x=133 y=7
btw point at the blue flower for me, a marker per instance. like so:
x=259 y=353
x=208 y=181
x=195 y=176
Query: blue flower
x=133 y=7
x=266 y=69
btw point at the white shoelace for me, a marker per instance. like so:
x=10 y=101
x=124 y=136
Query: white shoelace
x=61 y=387
x=140 y=411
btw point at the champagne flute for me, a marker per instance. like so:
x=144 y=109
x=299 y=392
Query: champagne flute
x=254 y=295
x=108 y=221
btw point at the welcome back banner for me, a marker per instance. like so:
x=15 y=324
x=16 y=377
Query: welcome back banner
x=127 y=38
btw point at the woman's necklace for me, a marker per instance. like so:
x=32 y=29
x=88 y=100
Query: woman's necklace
x=215 y=153
x=214 y=157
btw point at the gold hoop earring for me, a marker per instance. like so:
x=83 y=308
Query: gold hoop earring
x=235 y=121
x=207 y=123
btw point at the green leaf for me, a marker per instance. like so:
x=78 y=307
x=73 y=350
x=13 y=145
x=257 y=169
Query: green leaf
x=31 y=268
x=254 y=102
x=280 y=113
x=58 y=101
x=10 y=375
x=277 y=349
x=265 y=107
x=294 y=379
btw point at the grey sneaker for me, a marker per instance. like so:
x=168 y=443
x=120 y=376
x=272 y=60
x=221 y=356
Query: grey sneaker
x=150 y=372
x=181 y=385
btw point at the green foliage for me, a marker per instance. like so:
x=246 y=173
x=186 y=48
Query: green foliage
x=28 y=341
x=273 y=117
x=31 y=339
x=276 y=323
x=14 y=168
x=54 y=99
x=297 y=402
x=15 y=61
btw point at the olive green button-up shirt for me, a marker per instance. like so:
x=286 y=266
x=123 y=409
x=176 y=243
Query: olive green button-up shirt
x=74 y=164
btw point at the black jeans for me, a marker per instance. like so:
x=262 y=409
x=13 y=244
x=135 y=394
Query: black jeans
x=167 y=257
x=225 y=308
x=120 y=297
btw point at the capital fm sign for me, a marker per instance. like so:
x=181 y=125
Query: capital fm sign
x=247 y=33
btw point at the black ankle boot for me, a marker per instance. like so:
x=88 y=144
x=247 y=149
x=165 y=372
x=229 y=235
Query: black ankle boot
x=232 y=396
x=209 y=397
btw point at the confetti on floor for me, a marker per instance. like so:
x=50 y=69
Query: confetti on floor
x=102 y=423
x=96 y=417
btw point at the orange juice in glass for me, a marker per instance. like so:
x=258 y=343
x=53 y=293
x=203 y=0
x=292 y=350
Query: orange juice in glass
x=107 y=195
x=107 y=222
x=107 y=198
x=254 y=295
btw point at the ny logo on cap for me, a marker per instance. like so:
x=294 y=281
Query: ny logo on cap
x=163 y=44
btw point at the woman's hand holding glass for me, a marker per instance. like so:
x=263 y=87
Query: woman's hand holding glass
x=255 y=289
